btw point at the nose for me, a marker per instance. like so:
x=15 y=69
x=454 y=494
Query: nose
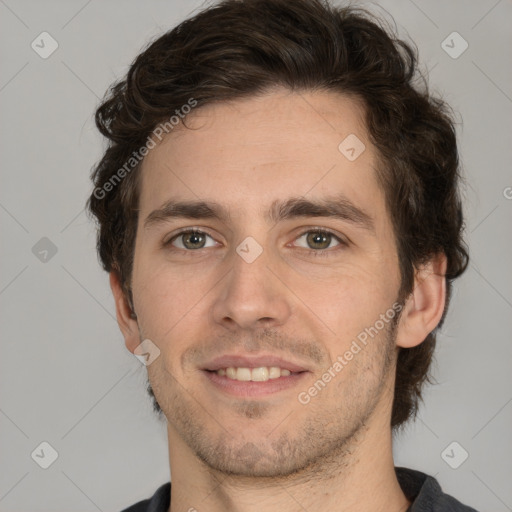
x=251 y=296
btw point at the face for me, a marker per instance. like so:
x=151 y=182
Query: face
x=262 y=248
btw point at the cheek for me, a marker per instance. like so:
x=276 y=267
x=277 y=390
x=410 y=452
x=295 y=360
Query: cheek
x=166 y=300
x=347 y=301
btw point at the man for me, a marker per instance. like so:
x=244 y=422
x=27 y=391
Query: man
x=279 y=215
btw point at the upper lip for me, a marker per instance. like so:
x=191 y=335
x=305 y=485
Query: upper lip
x=246 y=361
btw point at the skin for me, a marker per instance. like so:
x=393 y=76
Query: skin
x=273 y=452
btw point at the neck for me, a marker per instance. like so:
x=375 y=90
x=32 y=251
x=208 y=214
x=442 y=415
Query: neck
x=359 y=477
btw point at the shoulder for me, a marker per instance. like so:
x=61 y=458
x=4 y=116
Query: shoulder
x=426 y=494
x=159 y=502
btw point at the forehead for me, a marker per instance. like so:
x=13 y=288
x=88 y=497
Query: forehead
x=254 y=151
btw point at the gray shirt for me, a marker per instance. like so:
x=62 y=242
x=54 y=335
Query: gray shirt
x=422 y=490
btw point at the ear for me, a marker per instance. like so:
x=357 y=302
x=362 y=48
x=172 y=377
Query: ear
x=126 y=318
x=424 y=306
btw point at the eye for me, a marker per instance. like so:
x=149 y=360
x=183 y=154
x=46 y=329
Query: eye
x=318 y=240
x=191 y=240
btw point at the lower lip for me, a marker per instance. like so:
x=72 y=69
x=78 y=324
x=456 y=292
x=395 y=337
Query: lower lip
x=252 y=388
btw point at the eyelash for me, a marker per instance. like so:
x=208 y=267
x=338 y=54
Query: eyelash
x=314 y=252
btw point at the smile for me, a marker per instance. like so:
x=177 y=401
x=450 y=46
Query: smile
x=253 y=382
x=261 y=374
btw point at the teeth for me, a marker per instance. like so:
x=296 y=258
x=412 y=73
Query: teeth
x=274 y=372
x=243 y=374
x=261 y=374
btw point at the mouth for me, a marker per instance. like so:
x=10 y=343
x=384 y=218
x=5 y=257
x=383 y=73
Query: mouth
x=252 y=377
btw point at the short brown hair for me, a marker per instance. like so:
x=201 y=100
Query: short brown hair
x=238 y=49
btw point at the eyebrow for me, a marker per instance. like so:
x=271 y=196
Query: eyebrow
x=337 y=207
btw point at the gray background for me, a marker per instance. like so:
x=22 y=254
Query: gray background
x=66 y=377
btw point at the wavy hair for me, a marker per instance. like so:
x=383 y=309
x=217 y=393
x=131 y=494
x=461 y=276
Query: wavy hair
x=237 y=49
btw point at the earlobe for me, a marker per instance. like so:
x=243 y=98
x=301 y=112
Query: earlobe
x=126 y=318
x=424 y=307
